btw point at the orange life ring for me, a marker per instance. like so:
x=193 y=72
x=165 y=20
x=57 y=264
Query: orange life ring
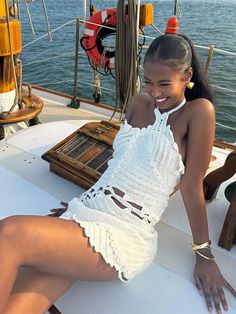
x=94 y=34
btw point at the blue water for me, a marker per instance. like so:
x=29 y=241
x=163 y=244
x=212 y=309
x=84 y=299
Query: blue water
x=50 y=63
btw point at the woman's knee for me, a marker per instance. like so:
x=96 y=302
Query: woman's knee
x=10 y=232
x=8 y=228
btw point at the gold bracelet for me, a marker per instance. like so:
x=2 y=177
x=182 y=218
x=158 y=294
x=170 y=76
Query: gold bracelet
x=204 y=256
x=204 y=245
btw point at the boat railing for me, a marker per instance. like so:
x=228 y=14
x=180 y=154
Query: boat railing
x=78 y=55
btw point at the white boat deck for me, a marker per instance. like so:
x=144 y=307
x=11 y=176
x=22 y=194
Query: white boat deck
x=167 y=286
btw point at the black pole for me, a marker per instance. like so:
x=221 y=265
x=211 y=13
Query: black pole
x=75 y=103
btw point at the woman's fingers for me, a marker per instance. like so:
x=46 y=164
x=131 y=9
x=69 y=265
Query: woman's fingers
x=217 y=300
x=229 y=287
x=56 y=212
x=64 y=204
x=198 y=284
x=215 y=294
x=222 y=298
x=207 y=296
x=210 y=281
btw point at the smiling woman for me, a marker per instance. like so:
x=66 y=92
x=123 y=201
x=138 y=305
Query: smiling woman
x=109 y=231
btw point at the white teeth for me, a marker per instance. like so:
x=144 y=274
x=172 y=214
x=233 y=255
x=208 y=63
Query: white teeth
x=160 y=99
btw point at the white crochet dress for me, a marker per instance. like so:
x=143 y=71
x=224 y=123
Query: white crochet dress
x=119 y=212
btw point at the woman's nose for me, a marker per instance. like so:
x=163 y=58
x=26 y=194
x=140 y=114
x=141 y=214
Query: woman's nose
x=155 y=92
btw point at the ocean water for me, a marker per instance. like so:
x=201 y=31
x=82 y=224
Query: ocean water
x=207 y=22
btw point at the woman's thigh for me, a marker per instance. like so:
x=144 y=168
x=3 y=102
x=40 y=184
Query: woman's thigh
x=54 y=246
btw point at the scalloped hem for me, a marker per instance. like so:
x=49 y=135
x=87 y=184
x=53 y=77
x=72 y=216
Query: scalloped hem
x=114 y=262
x=128 y=249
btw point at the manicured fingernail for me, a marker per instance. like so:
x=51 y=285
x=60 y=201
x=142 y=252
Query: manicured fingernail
x=226 y=307
x=210 y=309
x=200 y=291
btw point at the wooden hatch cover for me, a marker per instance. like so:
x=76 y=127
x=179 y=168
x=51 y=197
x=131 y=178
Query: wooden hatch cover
x=82 y=156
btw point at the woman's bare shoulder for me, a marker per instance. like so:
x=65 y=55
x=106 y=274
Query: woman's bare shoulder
x=201 y=106
x=137 y=104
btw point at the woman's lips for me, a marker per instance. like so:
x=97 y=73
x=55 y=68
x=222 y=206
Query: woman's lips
x=159 y=100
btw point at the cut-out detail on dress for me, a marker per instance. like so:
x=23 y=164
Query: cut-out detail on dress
x=118 y=203
x=137 y=215
x=135 y=205
x=118 y=191
x=107 y=192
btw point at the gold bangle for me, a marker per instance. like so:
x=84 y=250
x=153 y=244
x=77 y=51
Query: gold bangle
x=204 y=256
x=204 y=245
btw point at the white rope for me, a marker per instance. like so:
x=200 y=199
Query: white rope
x=157 y=29
x=67 y=81
x=47 y=21
x=226 y=126
x=224 y=89
x=218 y=50
x=50 y=58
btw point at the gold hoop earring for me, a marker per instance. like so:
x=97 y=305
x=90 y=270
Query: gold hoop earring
x=190 y=85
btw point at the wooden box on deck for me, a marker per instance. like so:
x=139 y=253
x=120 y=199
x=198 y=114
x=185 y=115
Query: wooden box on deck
x=82 y=157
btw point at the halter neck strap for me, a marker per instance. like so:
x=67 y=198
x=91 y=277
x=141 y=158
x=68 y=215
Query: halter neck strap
x=178 y=107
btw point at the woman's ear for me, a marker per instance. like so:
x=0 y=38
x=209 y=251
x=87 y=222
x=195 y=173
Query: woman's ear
x=188 y=74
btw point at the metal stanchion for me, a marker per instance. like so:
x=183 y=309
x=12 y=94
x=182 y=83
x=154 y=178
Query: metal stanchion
x=210 y=54
x=75 y=103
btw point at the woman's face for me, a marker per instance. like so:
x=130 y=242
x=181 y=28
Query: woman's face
x=165 y=85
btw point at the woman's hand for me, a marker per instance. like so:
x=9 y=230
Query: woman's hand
x=57 y=212
x=210 y=283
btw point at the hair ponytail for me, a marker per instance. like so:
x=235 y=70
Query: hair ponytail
x=202 y=87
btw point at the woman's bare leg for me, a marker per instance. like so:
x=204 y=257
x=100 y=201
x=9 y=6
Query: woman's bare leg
x=56 y=248
x=34 y=292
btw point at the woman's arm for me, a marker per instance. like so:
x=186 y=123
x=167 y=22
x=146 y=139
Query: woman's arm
x=200 y=137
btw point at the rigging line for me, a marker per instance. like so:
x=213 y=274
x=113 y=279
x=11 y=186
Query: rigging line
x=157 y=29
x=30 y=19
x=224 y=89
x=218 y=50
x=84 y=82
x=46 y=18
x=101 y=87
x=54 y=30
x=225 y=52
x=50 y=58
x=226 y=126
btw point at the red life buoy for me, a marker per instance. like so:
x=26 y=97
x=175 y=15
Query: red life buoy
x=94 y=34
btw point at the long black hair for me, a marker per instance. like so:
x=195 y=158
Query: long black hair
x=179 y=52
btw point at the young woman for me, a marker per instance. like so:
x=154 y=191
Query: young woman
x=108 y=233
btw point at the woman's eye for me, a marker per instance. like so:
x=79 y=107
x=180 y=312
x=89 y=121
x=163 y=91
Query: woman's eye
x=146 y=82
x=165 y=84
